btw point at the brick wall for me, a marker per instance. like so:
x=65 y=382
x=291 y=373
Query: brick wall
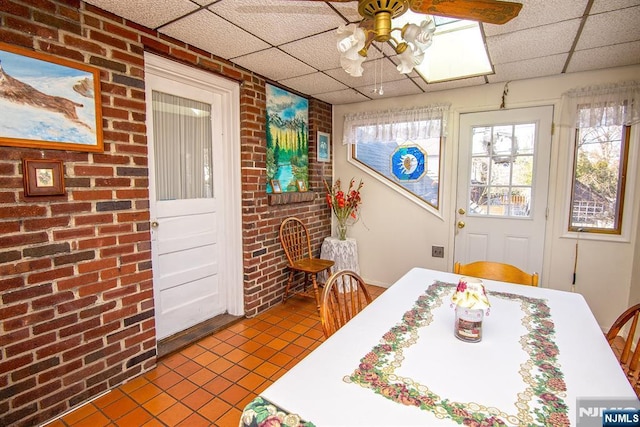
x=76 y=299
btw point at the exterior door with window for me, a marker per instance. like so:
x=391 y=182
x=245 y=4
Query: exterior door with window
x=190 y=245
x=502 y=189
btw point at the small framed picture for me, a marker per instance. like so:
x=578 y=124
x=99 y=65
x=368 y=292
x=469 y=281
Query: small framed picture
x=302 y=186
x=43 y=177
x=275 y=186
x=324 y=147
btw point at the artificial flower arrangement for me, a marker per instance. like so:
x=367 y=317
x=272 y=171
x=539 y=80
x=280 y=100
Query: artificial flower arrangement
x=344 y=205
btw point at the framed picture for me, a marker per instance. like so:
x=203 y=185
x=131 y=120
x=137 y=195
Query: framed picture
x=287 y=122
x=302 y=185
x=275 y=186
x=54 y=104
x=324 y=147
x=43 y=177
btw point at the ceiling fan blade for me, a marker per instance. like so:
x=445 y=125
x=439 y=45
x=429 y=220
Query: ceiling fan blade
x=489 y=11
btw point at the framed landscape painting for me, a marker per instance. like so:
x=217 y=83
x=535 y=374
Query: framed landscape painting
x=48 y=102
x=287 y=139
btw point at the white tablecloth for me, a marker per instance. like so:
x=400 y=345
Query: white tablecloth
x=343 y=252
x=400 y=352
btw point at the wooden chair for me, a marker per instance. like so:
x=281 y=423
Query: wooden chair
x=628 y=355
x=345 y=294
x=294 y=237
x=496 y=271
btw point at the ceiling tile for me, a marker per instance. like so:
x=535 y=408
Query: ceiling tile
x=605 y=57
x=274 y=64
x=319 y=51
x=209 y=32
x=453 y=84
x=529 y=68
x=347 y=96
x=277 y=21
x=150 y=13
x=313 y=84
x=349 y=10
x=600 y=6
x=533 y=43
x=536 y=13
x=402 y=87
x=610 y=27
x=374 y=71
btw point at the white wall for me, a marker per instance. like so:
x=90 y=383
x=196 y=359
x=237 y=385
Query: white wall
x=395 y=234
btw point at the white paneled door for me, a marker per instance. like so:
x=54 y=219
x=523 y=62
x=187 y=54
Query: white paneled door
x=195 y=250
x=503 y=176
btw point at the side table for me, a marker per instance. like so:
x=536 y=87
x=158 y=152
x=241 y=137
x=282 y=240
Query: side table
x=343 y=252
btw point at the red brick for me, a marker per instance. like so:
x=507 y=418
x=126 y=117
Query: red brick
x=77 y=281
x=50 y=275
x=98 y=287
x=58 y=347
x=30 y=319
x=29 y=345
x=99 y=264
x=97 y=243
x=14 y=364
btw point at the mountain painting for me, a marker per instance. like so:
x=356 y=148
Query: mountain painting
x=46 y=102
x=287 y=139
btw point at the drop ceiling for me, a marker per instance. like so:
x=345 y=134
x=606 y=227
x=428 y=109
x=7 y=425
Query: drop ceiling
x=293 y=43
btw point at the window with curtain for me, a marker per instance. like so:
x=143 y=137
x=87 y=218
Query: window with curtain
x=603 y=118
x=401 y=147
x=183 y=147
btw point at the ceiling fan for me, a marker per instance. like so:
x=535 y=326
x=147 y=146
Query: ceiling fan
x=376 y=26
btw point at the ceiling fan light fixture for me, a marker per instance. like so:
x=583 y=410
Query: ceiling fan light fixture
x=353 y=42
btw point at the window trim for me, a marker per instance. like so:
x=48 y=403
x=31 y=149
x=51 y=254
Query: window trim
x=631 y=201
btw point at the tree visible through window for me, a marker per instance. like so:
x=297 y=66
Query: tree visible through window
x=599 y=171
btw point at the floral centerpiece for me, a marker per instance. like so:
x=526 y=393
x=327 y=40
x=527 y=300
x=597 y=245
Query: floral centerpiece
x=344 y=205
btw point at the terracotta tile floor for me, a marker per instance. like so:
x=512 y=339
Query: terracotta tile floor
x=209 y=382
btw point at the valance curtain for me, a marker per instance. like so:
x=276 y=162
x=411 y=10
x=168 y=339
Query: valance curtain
x=606 y=105
x=396 y=125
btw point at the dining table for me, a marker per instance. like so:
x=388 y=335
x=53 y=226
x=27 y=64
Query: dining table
x=542 y=360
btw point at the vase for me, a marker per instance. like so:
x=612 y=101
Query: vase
x=342 y=230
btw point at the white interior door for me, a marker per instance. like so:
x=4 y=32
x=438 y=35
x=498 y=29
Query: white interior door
x=190 y=245
x=502 y=190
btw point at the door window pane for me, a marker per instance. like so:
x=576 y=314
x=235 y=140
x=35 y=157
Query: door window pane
x=183 y=147
x=502 y=170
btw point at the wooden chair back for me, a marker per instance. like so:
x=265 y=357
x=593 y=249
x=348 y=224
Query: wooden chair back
x=295 y=240
x=496 y=271
x=345 y=294
x=623 y=346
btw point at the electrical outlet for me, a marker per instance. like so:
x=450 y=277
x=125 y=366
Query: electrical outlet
x=437 y=251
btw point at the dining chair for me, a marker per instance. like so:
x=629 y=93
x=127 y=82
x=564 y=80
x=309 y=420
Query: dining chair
x=622 y=344
x=496 y=271
x=295 y=240
x=344 y=295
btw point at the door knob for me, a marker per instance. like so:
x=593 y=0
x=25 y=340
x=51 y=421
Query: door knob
x=461 y=211
x=461 y=224
x=154 y=224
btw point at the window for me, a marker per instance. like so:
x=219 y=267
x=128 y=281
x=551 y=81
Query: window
x=599 y=173
x=401 y=148
x=603 y=117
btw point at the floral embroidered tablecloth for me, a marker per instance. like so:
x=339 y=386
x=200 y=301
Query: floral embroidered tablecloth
x=540 y=402
x=262 y=413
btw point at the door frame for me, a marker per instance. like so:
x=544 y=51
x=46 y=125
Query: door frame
x=451 y=204
x=230 y=192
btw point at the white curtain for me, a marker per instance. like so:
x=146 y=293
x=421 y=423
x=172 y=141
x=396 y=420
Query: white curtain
x=182 y=147
x=396 y=125
x=606 y=105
